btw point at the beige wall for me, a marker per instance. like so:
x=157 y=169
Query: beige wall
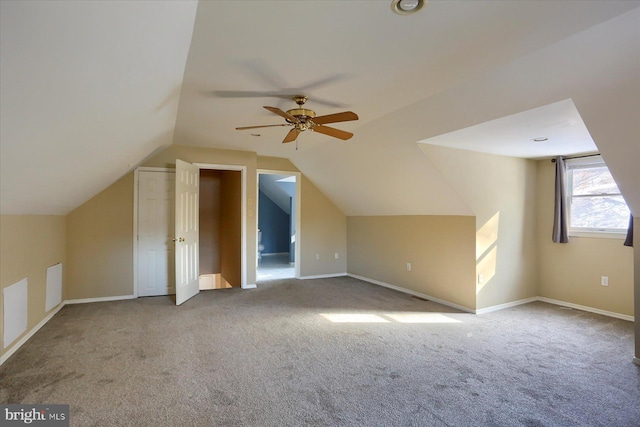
x=29 y=244
x=276 y=164
x=571 y=272
x=323 y=226
x=441 y=250
x=231 y=228
x=100 y=244
x=322 y=234
x=210 y=214
x=501 y=193
x=100 y=232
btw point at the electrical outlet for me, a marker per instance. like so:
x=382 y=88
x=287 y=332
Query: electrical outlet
x=480 y=278
x=336 y=255
x=604 y=281
x=408 y=266
x=317 y=257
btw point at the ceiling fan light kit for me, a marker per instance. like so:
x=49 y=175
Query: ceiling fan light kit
x=303 y=119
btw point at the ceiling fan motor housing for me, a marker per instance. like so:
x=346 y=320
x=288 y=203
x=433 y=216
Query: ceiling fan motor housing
x=301 y=114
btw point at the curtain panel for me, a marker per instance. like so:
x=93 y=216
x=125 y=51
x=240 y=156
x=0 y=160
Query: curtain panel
x=629 y=240
x=560 y=212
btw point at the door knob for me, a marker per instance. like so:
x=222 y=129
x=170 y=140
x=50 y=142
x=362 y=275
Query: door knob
x=181 y=239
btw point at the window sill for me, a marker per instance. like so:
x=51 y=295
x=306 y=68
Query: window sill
x=598 y=234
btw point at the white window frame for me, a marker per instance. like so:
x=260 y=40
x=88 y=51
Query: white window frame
x=584 y=163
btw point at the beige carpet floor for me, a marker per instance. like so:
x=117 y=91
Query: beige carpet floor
x=329 y=352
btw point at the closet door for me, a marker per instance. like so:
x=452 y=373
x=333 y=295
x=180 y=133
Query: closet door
x=156 y=192
x=186 y=231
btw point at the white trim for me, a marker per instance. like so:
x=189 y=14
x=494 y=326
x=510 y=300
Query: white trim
x=297 y=250
x=588 y=162
x=100 y=299
x=153 y=169
x=16 y=346
x=54 y=311
x=243 y=173
x=410 y=292
x=136 y=177
x=496 y=307
x=577 y=232
x=506 y=305
x=585 y=308
x=323 y=276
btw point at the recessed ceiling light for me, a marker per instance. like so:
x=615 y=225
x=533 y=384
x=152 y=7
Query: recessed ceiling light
x=406 y=7
x=540 y=139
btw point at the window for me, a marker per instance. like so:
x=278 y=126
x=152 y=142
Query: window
x=595 y=202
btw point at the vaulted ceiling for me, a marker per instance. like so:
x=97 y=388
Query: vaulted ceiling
x=90 y=89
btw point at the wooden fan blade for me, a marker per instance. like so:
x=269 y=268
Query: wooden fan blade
x=291 y=136
x=283 y=114
x=336 y=133
x=334 y=118
x=263 y=126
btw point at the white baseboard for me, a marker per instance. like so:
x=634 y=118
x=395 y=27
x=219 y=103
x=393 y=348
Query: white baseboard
x=414 y=293
x=31 y=333
x=274 y=254
x=323 y=276
x=506 y=305
x=44 y=321
x=496 y=307
x=100 y=299
x=585 y=308
x=53 y=312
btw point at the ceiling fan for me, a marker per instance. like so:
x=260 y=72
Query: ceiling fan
x=302 y=119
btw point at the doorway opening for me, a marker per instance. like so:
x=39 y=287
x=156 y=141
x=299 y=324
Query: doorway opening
x=220 y=231
x=278 y=219
x=159 y=231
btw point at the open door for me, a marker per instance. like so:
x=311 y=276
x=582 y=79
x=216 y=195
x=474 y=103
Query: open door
x=186 y=236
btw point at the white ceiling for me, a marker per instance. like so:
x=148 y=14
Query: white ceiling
x=89 y=88
x=559 y=124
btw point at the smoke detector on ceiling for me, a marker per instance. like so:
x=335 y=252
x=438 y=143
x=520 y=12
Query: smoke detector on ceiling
x=407 y=7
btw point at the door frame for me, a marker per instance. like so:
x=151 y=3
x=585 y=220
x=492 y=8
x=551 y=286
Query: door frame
x=136 y=183
x=298 y=176
x=243 y=173
x=243 y=220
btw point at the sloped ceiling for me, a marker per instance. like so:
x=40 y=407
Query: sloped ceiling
x=278 y=189
x=87 y=90
x=92 y=89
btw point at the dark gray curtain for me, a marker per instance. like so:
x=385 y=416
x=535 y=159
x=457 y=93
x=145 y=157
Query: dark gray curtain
x=629 y=240
x=560 y=212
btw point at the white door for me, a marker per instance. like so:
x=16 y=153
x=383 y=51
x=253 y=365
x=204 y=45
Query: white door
x=186 y=230
x=156 y=192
